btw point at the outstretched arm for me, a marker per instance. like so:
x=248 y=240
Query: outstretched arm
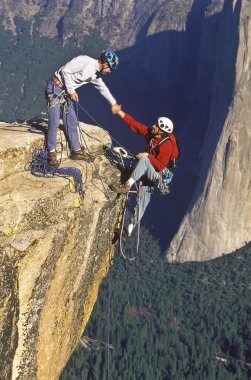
x=133 y=124
x=104 y=91
x=120 y=113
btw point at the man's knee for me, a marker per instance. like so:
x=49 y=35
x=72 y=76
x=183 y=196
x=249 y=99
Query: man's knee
x=144 y=161
x=144 y=158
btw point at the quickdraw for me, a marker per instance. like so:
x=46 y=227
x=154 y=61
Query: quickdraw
x=54 y=100
x=165 y=180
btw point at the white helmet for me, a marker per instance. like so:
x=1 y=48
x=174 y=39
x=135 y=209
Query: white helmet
x=165 y=124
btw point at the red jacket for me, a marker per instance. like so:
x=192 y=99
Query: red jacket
x=163 y=154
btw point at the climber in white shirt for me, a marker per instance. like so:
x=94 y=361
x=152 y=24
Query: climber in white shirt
x=78 y=72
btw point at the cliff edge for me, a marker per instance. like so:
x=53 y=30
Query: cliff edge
x=55 y=250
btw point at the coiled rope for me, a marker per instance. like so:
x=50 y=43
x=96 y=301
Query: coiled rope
x=39 y=167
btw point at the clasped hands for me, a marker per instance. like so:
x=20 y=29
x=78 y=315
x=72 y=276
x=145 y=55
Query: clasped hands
x=115 y=108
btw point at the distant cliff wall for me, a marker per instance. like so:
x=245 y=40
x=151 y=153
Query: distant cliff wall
x=219 y=218
x=54 y=251
x=118 y=21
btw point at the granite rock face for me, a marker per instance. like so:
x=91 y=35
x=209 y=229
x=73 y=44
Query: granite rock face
x=55 y=248
x=219 y=218
x=119 y=22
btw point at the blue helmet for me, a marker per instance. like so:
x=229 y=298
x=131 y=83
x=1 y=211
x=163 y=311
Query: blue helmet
x=111 y=58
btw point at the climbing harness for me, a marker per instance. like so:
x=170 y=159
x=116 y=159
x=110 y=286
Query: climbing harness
x=39 y=167
x=165 y=176
x=54 y=99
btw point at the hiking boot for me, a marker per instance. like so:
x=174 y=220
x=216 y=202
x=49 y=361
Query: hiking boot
x=120 y=188
x=80 y=155
x=53 y=159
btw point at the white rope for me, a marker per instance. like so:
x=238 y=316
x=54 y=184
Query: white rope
x=95 y=121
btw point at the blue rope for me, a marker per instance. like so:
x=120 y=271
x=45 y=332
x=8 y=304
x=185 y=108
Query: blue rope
x=40 y=168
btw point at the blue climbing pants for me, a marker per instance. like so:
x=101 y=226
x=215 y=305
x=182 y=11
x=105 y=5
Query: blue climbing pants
x=61 y=107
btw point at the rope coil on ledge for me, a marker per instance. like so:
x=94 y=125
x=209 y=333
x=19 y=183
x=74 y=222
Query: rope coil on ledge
x=39 y=167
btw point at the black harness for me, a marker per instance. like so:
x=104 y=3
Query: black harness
x=159 y=143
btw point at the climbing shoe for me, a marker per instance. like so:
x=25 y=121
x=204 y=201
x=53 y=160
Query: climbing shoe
x=53 y=159
x=120 y=188
x=80 y=155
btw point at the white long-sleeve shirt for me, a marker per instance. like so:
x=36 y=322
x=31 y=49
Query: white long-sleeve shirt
x=82 y=70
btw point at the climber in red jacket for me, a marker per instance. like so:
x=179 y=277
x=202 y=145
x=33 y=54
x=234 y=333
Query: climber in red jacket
x=161 y=149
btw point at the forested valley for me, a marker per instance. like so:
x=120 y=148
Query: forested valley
x=169 y=321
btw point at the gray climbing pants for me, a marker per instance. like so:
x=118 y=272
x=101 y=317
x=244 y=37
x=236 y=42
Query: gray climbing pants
x=142 y=168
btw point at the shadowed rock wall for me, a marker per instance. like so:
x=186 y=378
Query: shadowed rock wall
x=219 y=219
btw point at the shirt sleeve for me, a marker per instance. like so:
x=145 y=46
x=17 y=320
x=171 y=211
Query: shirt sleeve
x=136 y=126
x=70 y=70
x=104 y=91
x=162 y=159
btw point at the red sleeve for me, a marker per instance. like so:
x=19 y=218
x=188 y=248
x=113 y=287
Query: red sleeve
x=163 y=157
x=136 y=126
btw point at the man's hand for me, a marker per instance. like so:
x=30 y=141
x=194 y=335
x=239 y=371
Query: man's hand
x=116 y=108
x=74 y=97
x=143 y=154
